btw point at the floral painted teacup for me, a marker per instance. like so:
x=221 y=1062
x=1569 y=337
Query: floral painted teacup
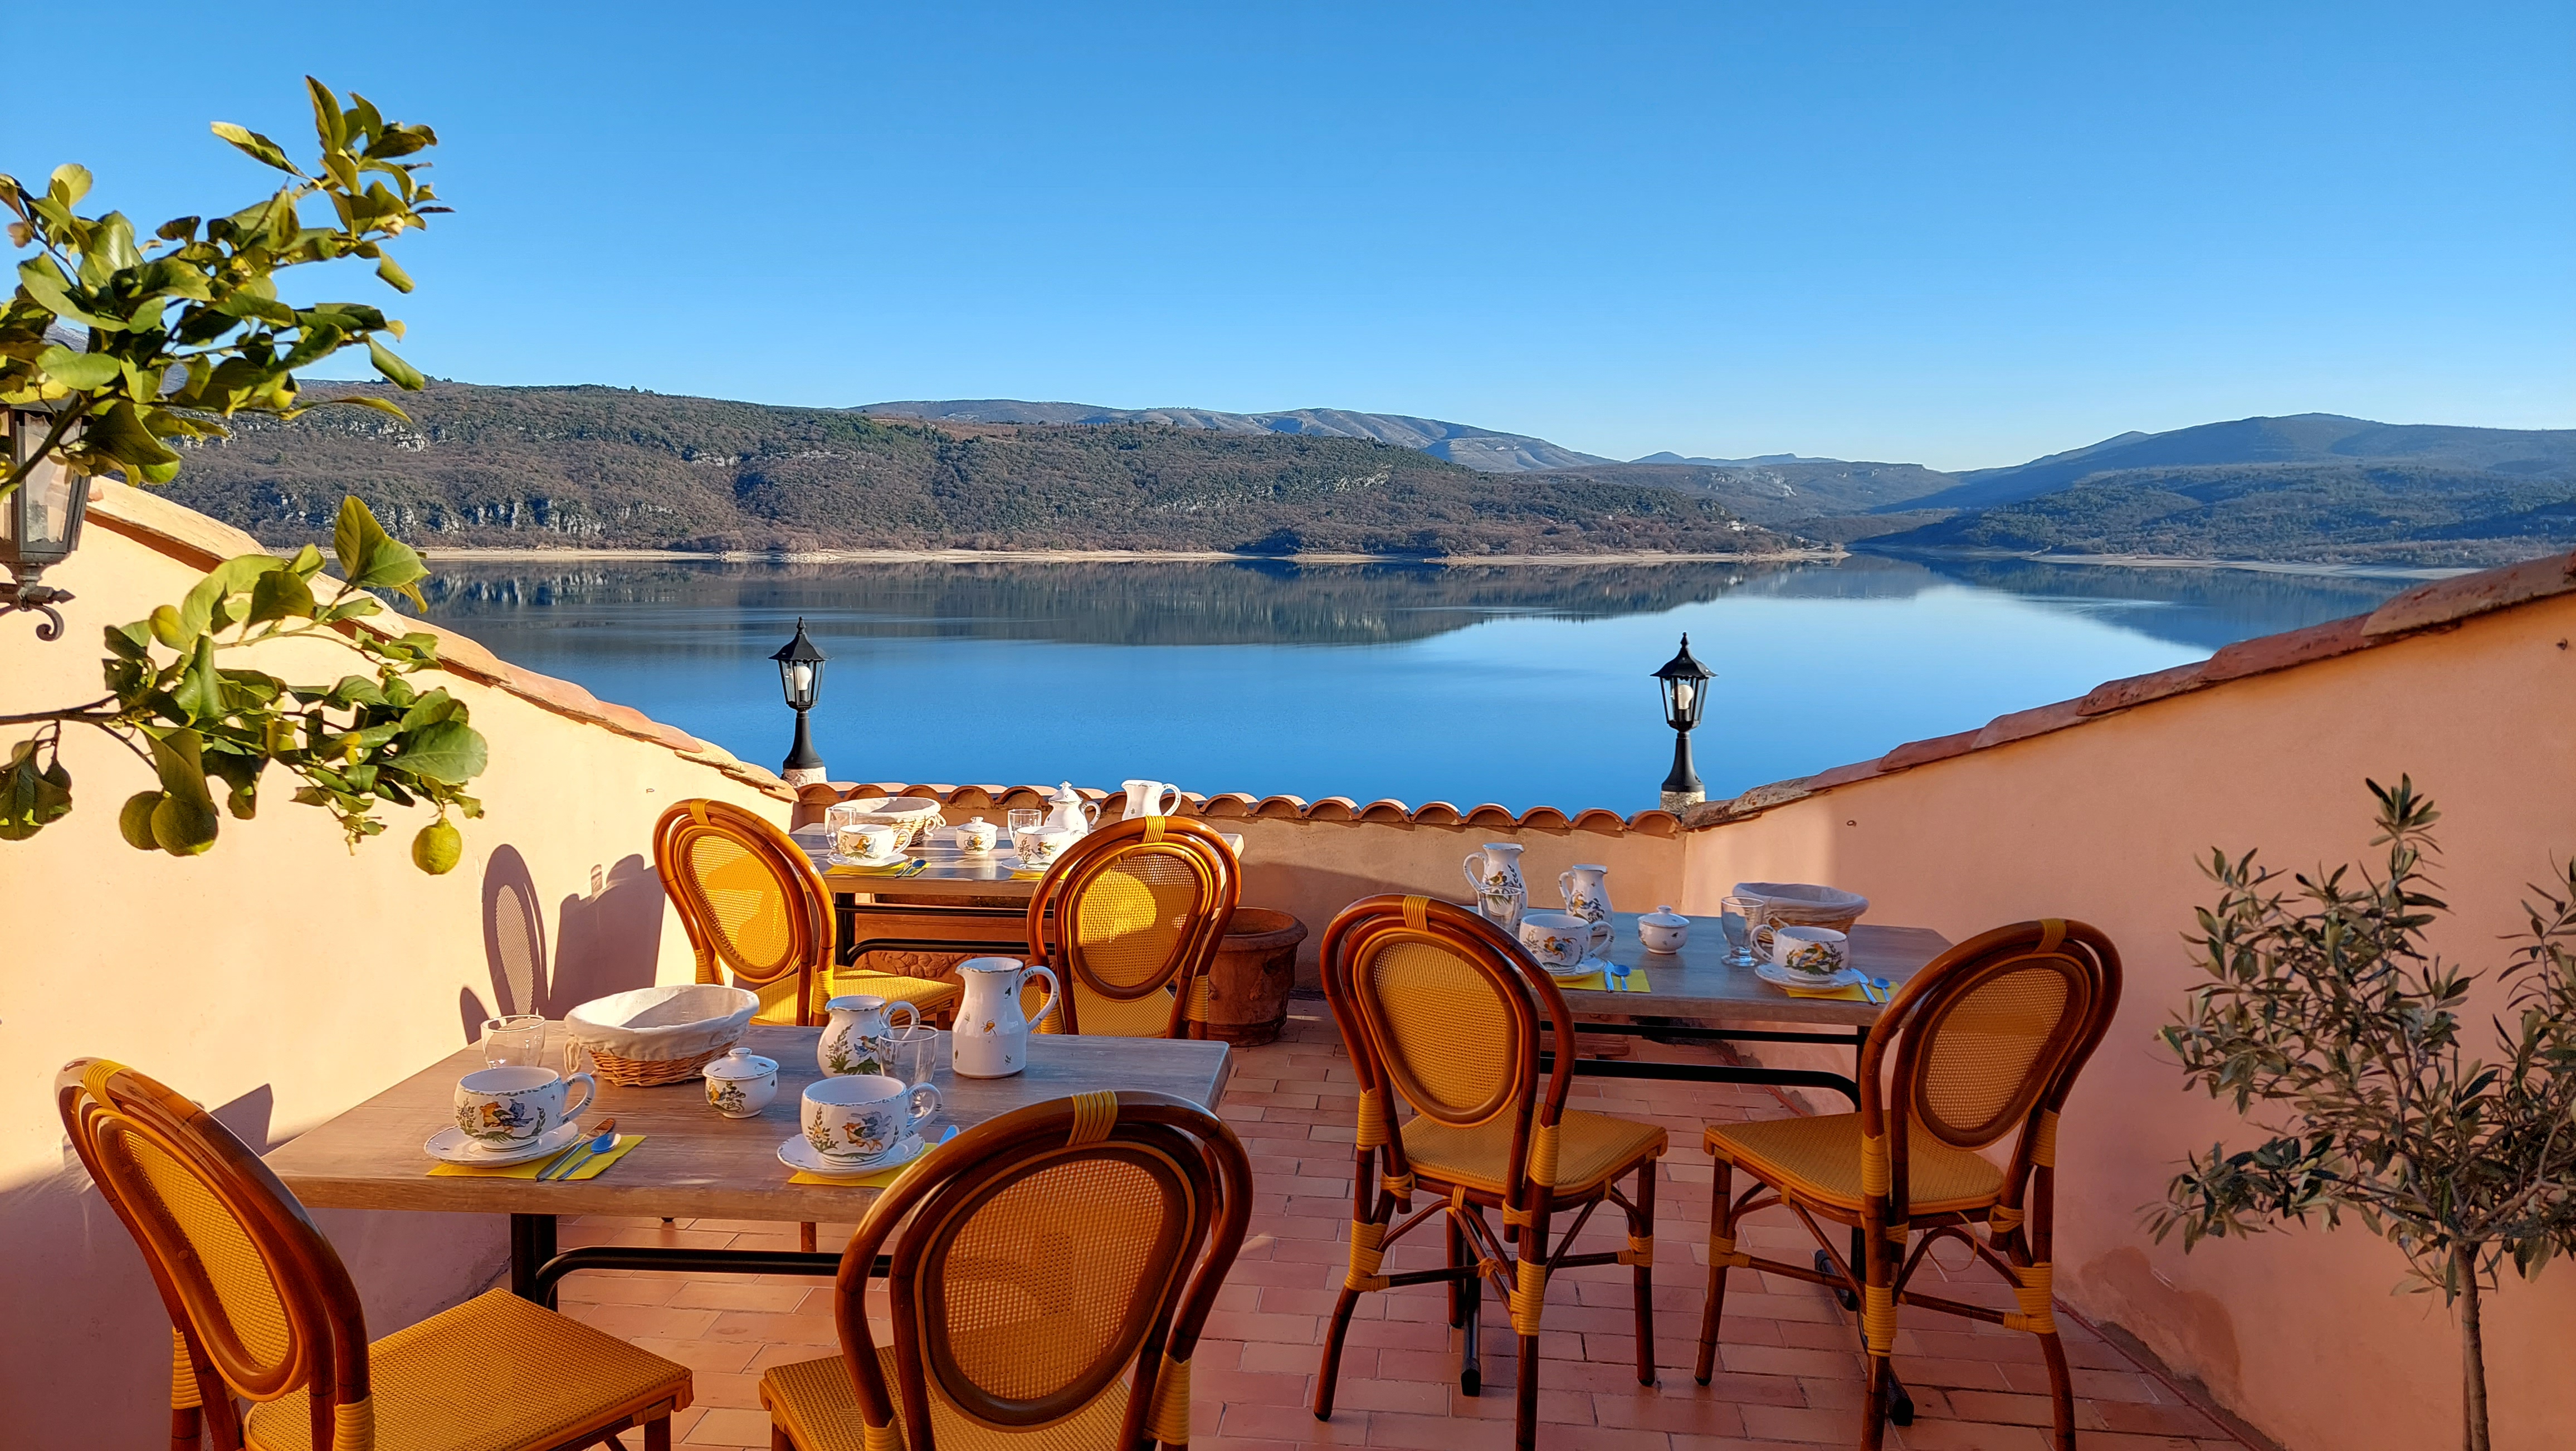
x=1561 y=940
x=740 y=1085
x=1041 y=848
x=1813 y=951
x=870 y=841
x=865 y=1116
x=505 y=1108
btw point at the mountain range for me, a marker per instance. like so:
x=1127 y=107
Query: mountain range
x=1481 y=449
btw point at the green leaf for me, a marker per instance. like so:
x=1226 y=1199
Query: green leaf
x=355 y=537
x=401 y=374
x=450 y=752
x=200 y=690
x=327 y=122
x=239 y=773
x=29 y=796
x=392 y=273
x=70 y=182
x=119 y=433
x=79 y=370
x=258 y=147
x=392 y=565
x=51 y=290
x=280 y=594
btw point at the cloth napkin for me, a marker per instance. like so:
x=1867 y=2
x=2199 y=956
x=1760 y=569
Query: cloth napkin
x=598 y=1164
x=1633 y=981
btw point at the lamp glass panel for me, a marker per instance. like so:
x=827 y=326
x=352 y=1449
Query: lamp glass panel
x=36 y=521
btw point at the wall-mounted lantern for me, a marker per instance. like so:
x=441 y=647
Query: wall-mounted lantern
x=40 y=520
x=800 y=677
x=1684 y=682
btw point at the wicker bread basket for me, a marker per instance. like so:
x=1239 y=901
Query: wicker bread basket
x=658 y=1035
x=1799 y=904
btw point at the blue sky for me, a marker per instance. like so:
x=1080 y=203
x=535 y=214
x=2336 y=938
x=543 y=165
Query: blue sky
x=1956 y=234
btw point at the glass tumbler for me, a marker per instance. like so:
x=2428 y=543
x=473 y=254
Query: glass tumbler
x=912 y=1053
x=1743 y=915
x=1024 y=823
x=516 y=1041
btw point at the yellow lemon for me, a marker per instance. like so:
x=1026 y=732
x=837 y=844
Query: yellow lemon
x=438 y=848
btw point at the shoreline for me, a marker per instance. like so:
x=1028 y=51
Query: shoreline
x=2176 y=561
x=1106 y=556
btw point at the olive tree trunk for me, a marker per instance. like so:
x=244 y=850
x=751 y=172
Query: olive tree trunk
x=2473 y=1356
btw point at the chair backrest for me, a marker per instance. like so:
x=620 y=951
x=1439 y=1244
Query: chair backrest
x=1134 y=910
x=751 y=903
x=1987 y=1041
x=1042 y=1256
x=1440 y=1008
x=259 y=1302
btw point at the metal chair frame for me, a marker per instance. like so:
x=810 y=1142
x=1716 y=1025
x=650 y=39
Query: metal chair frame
x=1518 y=1261
x=2020 y=1223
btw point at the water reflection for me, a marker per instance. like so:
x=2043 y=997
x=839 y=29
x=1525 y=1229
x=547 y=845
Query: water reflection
x=1518 y=684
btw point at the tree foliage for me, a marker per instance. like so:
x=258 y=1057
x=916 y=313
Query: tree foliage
x=2324 y=1003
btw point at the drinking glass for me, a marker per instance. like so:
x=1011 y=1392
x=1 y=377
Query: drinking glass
x=912 y=1053
x=1024 y=824
x=515 y=1041
x=1743 y=914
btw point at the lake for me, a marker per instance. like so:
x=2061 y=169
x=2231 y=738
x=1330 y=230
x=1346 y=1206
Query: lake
x=1524 y=685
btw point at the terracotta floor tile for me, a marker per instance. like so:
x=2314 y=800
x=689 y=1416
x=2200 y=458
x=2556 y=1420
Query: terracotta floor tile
x=725 y=1426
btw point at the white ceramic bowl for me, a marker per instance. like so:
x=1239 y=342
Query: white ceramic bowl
x=913 y=816
x=657 y=1024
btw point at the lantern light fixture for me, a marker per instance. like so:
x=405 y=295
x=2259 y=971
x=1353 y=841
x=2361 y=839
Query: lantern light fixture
x=1684 y=682
x=40 y=519
x=800 y=678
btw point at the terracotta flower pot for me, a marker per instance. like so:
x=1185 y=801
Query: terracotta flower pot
x=1248 y=984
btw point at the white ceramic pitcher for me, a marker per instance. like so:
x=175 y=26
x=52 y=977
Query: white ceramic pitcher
x=1586 y=887
x=992 y=1037
x=1149 y=798
x=1495 y=873
x=855 y=1040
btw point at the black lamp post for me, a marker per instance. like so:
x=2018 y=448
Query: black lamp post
x=800 y=675
x=1685 y=685
x=40 y=520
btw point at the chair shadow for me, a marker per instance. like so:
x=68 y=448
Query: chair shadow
x=604 y=942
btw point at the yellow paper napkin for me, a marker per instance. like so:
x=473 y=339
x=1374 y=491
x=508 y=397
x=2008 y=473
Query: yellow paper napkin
x=1849 y=993
x=877 y=1180
x=904 y=869
x=1633 y=982
x=591 y=1170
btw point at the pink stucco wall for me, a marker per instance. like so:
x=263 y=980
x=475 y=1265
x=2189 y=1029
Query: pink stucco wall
x=2298 y=1332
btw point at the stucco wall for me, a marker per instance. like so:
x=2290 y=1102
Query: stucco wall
x=278 y=979
x=2297 y=1331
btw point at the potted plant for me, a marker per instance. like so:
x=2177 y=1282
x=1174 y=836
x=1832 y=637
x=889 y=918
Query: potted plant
x=2323 y=1005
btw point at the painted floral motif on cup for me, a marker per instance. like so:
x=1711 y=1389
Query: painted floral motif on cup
x=728 y=1095
x=1823 y=959
x=504 y=1120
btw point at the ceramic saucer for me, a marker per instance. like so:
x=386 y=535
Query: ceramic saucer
x=1778 y=976
x=869 y=862
x=451 y=1146
x=1010 y=861
x=797 y=1154
x=1586 y=968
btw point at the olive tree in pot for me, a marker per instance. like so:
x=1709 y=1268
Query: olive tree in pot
x=113 y=348
x=2324 y=1005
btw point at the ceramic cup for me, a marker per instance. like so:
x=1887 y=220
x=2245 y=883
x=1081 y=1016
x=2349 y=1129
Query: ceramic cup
x=504 y=1108
x=864 y=1116
x=978 y=835
x=1817 y=951
x=1663 y=930
x=871 y=841
x=740 y=1085
x=1041 y=848
x=1560 y=940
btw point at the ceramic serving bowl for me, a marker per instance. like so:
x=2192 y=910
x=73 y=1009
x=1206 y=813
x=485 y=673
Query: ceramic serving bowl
x=913 y=817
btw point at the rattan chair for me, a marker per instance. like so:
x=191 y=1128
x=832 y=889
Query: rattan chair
x=1987 y=1041
x=260 y=1308
x=1050 y=1272
x=754 y=906
x=1440 y=1009
x=1130 y=917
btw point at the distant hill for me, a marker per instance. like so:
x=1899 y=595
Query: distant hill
x=610 y=467
x=2300 y=438
x=2378 y=511
x=1803 y=496
x=1481 y=449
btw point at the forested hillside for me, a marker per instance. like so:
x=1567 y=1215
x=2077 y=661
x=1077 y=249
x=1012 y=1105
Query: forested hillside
x=606 y=467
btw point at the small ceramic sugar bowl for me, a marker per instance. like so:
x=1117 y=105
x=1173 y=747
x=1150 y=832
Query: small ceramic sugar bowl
x=1663 y=930
x=977 y=836
x=740 y=1085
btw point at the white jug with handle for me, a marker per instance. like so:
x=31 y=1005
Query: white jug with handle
x=1495 y=873
x=856 y=1039
x=992 y=1037
x=1586 y=888
x=1150 y=798
x=1067 y=811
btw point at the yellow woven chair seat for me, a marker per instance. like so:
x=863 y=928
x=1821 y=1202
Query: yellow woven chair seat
x=821 y=1408
x=1818 y=1159
x=1591 y=1150
x=496 y=1373
x=926 y=994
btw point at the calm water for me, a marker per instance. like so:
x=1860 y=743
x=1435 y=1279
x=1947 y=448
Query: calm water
x=1525 y=685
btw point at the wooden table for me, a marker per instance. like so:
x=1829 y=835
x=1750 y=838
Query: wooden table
x=954 y=889
x=695 y=1161
x=1698 y=982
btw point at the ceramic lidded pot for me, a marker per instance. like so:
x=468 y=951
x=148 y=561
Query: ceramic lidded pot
x=740 y=1085
x=1663 y=930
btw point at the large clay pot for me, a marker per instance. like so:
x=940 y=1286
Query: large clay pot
x=1256 y=965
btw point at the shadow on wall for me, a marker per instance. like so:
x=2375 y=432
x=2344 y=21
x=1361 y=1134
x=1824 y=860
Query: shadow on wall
x=606 y=941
